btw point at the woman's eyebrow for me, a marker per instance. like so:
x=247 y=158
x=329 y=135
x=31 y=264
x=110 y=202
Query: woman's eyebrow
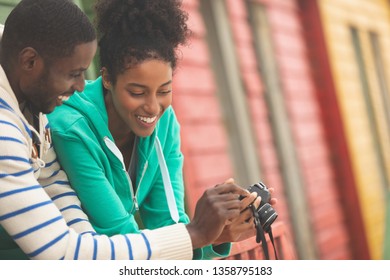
x=143 y=86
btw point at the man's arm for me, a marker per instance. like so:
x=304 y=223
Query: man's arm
x=34 y=222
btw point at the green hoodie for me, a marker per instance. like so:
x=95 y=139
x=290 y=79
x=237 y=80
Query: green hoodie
x=86 y=151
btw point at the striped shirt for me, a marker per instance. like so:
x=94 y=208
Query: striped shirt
x=43 y=215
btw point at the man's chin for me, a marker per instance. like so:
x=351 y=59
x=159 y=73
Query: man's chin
x=49 y=109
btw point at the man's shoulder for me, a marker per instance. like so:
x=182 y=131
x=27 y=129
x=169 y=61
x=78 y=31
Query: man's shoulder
x=11 y=123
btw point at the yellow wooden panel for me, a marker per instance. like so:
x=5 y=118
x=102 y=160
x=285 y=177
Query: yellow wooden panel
x=365 y=15
x=379 y=109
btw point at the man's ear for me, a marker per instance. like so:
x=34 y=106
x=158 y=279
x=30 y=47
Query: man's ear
x=106 y=78
x=28 y=58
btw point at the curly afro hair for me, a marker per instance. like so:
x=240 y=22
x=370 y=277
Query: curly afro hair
x=132 y=31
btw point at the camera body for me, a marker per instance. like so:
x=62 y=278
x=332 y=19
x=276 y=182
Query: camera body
x=265 y=213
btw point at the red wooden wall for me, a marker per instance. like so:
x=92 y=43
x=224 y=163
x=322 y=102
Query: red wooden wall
x=335 y=135
x=326 y=213
x=254 y=87
x=204 y=138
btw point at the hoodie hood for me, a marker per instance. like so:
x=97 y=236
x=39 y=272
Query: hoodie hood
x=89 y=107
x=90 y=103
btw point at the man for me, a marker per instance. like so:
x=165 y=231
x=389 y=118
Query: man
x=46 y=47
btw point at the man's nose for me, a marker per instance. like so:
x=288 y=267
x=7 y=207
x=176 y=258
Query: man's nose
x=79 y=84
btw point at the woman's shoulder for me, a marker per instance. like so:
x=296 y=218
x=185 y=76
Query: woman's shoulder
x=168 y=128
x=168 y=122
x=77 y=109
x=65 y=119
x=169 y=116
x=63 y=115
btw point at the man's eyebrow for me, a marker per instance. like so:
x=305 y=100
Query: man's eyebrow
x=81 y=69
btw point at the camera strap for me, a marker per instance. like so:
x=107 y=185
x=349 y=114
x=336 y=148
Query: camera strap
x=260 y=234
x=271 y=237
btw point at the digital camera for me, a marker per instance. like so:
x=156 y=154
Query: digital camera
x=266 y=214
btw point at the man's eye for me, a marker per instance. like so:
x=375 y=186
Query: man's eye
x=76 y=75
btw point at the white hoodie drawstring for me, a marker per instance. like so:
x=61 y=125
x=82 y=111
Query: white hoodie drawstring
x=164 y=173
x=167 y=183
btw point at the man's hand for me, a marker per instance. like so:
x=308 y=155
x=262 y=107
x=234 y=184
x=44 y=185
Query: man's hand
x=243 y=226
x=217 y=208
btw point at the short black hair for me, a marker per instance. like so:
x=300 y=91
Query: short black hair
x=132 y=31
x=53 y=28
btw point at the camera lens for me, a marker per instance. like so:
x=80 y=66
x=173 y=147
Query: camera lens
x=267 y=216
x=266 y=213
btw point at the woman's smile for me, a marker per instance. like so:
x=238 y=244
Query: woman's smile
x=147 y=121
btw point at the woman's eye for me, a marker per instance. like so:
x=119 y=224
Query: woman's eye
x=135 y=93
x=165 y=92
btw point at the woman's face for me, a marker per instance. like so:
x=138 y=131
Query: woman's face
x=141 y=94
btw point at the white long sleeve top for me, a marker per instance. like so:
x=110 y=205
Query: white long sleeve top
x=41 y=212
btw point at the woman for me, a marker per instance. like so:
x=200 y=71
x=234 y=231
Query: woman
x=120 y=142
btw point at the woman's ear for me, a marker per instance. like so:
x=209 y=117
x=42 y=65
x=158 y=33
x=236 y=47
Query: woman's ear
x=106 y=78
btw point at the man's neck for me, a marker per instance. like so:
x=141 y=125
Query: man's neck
x=31 y=116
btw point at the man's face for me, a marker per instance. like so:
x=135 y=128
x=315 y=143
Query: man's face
x=52 y=83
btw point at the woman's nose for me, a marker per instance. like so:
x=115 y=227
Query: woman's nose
x=152 y=105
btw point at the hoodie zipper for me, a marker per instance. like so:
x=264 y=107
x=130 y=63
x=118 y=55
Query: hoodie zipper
x=134 y=196
x=136 y=206
x=114 y=149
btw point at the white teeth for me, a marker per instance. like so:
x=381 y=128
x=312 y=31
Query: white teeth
x=63 y=98
x=147 y=120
